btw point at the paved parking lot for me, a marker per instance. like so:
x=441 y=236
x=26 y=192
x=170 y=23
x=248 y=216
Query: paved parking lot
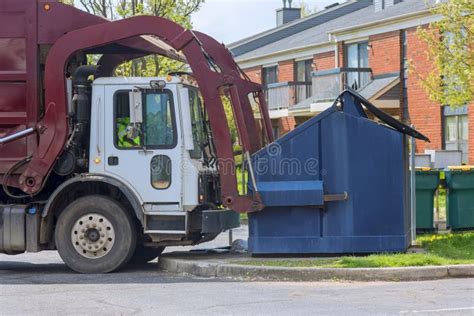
x=40 y=284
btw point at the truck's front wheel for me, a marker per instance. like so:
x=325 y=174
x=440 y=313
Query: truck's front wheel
x=95 y=234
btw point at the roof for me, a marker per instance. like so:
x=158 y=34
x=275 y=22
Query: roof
x=374 y=89
x=380 y=84
x=318 y=34
x=305 y=104
x=284 y=31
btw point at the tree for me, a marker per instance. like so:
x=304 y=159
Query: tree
x=306 y=10
x=178 y=11
x=99 y=7
x=450 y=47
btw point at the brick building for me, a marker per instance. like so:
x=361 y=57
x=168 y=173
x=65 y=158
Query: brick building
x=367 y=45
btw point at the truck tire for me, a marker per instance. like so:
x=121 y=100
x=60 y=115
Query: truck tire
x=143 y=254
x=95 y=234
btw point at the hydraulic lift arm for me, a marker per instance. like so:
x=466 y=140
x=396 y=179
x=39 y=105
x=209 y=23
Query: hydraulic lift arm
x=200 y=51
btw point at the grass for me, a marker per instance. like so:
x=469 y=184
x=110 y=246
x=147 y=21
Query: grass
x=459 y=246
x=440 y=203
x=441 y=250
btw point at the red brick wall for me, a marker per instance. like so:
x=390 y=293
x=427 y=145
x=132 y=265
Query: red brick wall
x=286 y=70
x=385 y=56
x=385 y=52
x=284 y=124
x=340 y=54
x=255 y=74
x=324 y=61
x=470 y=113
x=424 y=114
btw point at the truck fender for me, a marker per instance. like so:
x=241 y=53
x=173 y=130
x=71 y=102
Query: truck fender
x=124 y=189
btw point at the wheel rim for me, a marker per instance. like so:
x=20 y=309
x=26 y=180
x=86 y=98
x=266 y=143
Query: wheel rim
x=93 y=236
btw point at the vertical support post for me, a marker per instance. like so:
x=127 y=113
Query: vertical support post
x=230 y=237
x=244 y=188
x=412 y=191
x=437 y=210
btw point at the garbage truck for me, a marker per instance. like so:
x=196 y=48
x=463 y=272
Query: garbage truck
x=108 y=170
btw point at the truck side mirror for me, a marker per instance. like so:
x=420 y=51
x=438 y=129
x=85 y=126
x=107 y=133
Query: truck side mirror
x=136 y=113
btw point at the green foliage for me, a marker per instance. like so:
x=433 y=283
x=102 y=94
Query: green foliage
x=450 y=48
x=241 y=175
x=103 y=8
x=229 y=113
x=306 y=10
x=454 y=246
x=441 y=250
x=178 y=11
x=70 y=2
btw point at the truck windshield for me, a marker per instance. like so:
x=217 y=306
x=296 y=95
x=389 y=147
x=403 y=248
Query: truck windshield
x=202 y=135
x=159 y=129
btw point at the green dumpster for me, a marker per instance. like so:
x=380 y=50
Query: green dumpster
x=460 y=197
x=427 y=182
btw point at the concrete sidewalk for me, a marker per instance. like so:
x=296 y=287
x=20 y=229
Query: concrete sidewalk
x=225 y=265
x=199 y=262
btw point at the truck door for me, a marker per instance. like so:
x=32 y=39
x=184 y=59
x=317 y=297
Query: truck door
x=146 y=155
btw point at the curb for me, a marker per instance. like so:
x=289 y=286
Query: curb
x=212 y=268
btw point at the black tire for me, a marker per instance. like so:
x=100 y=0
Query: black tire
x=122 y=226
x=144 y=255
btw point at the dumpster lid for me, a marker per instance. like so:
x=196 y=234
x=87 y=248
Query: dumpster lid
x=463 y=168
x=384 y=117
x=422 y=168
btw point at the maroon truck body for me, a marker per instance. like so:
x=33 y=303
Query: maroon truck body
x=38 y=41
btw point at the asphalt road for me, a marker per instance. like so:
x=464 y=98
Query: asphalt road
x=40 y=284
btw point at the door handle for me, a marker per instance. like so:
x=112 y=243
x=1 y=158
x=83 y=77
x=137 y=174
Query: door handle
x=145 y=151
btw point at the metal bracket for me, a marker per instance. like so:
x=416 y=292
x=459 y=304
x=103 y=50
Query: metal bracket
x=336 y=197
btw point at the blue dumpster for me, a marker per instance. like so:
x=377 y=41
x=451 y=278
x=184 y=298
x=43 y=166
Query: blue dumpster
x=336 y=184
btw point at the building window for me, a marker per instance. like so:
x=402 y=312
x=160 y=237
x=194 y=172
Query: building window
x=303 y=70
x=456 y=130
x=269 y=75
x=357 y=56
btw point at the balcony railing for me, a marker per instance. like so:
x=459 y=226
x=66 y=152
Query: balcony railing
x=328 y=84
x=283 y=95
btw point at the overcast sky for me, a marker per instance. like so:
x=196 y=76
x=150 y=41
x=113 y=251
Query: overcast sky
x=230 y=20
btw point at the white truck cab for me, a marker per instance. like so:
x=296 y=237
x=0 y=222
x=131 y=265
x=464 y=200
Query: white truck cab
x=150 y=134
x=138 y=173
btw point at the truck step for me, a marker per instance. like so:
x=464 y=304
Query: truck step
x=169 y=223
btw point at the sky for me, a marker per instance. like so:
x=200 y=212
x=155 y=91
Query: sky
x=231 y=20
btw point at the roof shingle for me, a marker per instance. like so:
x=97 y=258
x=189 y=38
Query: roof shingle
x=318 y=34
